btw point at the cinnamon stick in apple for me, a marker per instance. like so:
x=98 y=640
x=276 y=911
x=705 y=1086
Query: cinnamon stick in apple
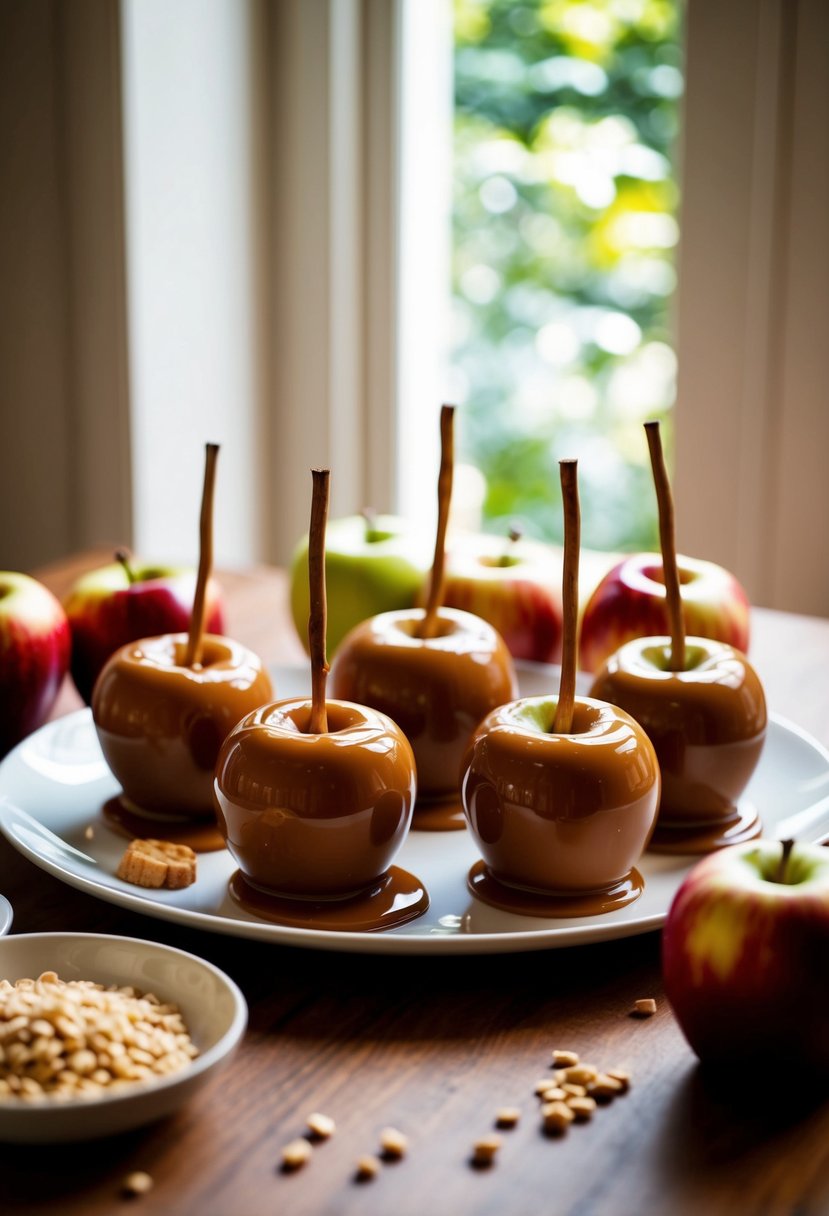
x=196 y=634
x=447 y=466
x=563 y=721
x=318 y=618
x=667 y=543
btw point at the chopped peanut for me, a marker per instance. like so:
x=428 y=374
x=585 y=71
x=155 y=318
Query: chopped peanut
x=565 y=1059
x=77 y=1039
x=620 y=1075
x=604 y=1087
x=557 y=1117
x=573 y=1091
x=139 y=1182
x=644 y=1008
x=483 y=1153
x=581 y=1074
x=393 y=1143
x=582 y=1108
x=508 y=1116
x=321 y=1126
x=367 y=1168
x=296 y=1154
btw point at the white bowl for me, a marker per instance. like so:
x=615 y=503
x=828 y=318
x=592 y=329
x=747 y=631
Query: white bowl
x=213 y=1008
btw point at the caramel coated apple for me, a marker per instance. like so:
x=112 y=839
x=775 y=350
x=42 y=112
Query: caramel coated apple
x=312 y=815
x=161 y=723
x=707 y=724
x=437 y=689
x=560 y=814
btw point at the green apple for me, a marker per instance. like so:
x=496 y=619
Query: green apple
x=373 y=564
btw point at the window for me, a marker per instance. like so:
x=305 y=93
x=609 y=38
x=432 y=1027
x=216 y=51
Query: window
x=565 y=230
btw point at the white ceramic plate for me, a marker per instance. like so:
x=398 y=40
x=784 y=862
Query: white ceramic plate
x=213 y=1008
x=53 y=785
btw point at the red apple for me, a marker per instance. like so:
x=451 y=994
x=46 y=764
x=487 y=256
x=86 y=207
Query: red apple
x=436 y=689
x=110 y=607
x=161 y=723
x=310 y=814
x=744 y=954
x=560 y=813
x=707 y=724
x=34 y=655
x=515 y=586
x=630 y=602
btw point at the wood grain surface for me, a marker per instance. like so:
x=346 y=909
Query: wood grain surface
x=433 y=1047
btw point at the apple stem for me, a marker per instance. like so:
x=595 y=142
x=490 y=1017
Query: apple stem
x=447 y=464
x=370 y=517
x=667 y=543
x=122 y=556
x=563 y=721
x=787 y=846
x=513 y=536
x=196 y=635
x=318 y=618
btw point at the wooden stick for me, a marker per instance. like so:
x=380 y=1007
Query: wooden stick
x=447 y=466
x=318 y=618
x=196 y=636
x=667 y=543
x=563 y=721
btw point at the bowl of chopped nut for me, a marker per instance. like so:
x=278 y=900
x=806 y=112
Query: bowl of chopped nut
x=101 y=1034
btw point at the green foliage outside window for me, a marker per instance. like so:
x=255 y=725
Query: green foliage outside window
x=563 y=264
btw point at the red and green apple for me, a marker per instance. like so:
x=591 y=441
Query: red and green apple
x=630 y=602
x=515 y=585
x=34 y=655
x=744 y=957
x=126 y=601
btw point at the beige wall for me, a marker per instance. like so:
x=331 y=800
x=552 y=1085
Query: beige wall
x=64 y=469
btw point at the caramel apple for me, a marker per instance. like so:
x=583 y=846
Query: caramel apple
x=702 y=705
x=560 y=793
x=314 y=796
x=163 y=705
x=436 y=671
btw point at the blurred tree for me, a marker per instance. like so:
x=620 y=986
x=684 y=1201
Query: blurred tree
x=566 y=116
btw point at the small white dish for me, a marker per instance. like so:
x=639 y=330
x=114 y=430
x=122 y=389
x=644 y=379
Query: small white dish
x=213 y=1008
x=6 y=915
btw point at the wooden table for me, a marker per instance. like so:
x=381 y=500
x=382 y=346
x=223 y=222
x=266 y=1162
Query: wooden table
x=434 y=1046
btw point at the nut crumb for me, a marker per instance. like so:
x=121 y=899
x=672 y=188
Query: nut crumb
x=296 y=1154
x=507 y=1116
x=620 y=1075
x=367 y=1168
x=582 y=1108
x=139 y=1182
x=557 y=1117
x=158 y=863
x=484 y=1151
x=322 y=1127
x=89 y=832
x=581 y=1074
x=565 y=1059
x=644 y=1008
x=393 y=1143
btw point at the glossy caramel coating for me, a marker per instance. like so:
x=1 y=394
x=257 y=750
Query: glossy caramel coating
x=558 y=813
x=707 y=723
x=436 y=689
x=160 y=724
x=314 y=815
